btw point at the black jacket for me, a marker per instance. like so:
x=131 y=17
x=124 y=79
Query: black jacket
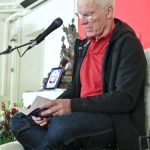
x=123 y=75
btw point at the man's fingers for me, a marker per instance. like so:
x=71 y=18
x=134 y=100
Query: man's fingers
x=36 y=118
x=56 y=107
x=43 y=123
x=58 y=113
x=39 y=120
x=50 y=111
x=48 y=104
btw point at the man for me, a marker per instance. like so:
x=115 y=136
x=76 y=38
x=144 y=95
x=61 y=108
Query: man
x=104 y=103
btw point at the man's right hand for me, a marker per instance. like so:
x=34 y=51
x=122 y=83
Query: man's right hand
x=41 y=121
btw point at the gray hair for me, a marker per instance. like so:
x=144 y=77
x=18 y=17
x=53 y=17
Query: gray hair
x=104 y=3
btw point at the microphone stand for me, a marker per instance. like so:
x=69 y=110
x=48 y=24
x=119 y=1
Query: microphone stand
x=10 y=49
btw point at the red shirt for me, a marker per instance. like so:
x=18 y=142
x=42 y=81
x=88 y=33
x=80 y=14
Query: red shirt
x=91 y=69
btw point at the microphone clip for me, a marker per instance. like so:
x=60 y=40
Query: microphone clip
x=7 y=51
x=32 y=44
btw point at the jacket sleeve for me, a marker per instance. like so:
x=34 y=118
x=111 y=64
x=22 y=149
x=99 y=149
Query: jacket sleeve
x=66 y=93
x=128 y=83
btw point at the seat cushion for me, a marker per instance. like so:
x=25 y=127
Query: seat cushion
x=147 y=89
x=11 y=146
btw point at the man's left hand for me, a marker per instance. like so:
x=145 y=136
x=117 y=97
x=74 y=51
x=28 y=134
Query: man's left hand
x=56 y=107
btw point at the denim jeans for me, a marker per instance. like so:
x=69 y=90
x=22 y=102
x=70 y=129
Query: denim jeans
x=86 y=129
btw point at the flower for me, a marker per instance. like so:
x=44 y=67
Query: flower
x=6 y=112
x=13 y=111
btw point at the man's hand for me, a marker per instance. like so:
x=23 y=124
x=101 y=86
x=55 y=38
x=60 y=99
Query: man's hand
x=56 y=107
x=40 y=121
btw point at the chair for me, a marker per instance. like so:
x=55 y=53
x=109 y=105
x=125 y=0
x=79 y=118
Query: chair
x=11 y=146
x=147 y=90
x=145 y=139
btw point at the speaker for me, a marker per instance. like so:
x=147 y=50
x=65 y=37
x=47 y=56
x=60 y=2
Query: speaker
x=27 y=3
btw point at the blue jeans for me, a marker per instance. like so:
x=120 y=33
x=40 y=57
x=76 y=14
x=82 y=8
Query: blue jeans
x=86 y=129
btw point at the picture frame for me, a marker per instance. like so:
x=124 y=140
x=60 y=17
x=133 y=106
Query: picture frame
x=54 y=78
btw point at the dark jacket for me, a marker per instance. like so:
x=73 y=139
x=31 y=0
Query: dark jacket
x=123 y=75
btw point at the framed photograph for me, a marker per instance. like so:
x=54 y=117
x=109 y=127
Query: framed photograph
x=54 y=78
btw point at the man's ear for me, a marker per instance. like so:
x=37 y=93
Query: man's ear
x=109 y=11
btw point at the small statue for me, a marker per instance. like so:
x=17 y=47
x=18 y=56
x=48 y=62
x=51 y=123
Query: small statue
x=67 y=54
x=63 y=54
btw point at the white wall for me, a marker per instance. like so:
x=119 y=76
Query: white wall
x=1 y=48
x=36 y=64
x=41 y=19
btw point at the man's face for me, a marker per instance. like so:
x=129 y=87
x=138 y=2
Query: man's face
x=92 y=17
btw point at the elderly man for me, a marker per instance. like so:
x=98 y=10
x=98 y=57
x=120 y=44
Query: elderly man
x=104 y=103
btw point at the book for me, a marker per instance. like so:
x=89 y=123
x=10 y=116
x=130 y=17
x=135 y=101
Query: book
x=34 y=106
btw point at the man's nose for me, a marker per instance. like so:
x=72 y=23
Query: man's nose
x=83 y=21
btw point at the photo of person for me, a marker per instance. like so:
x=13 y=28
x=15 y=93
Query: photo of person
x=54 y=77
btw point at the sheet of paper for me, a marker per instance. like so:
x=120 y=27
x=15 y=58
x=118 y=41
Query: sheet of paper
x=36 y=103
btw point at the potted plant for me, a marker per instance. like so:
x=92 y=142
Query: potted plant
x=6 y=112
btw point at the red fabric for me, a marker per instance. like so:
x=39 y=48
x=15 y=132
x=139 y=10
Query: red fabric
x=91 y=69
x=135 y=13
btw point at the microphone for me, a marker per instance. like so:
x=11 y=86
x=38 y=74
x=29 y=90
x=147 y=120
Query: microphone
x=54 y=25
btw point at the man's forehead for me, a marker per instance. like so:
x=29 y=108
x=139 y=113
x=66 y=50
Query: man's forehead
x=87 y=3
